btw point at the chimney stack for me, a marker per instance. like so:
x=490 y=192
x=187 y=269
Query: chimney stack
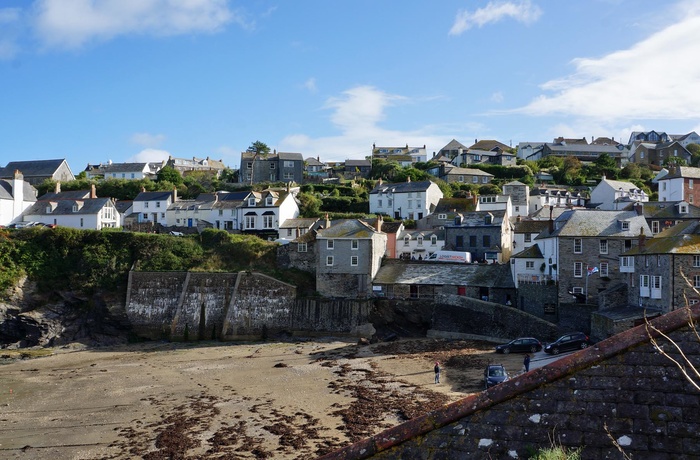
x=93 y=191
x=174 y=194
x=642 y=238
x=380 y=221
x=551 y=220
x=639 y=207
x=408 y=179
x=328 y=222
x=57 y=189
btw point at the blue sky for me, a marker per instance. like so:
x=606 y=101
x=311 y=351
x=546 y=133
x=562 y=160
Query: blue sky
x=138 y=80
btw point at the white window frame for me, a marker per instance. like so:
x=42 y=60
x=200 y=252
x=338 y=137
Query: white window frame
x=696 y=281
x=268 y=221
x=604 y=269
x=354 y=261
x=330 y=244
x=644 y=290
x=329 y=261
x=529 y=265
x=654 y=226
x=301 y=247
x=696 y=261
x=603 y=246
x=250 y=222
x=355 y=245
x=656 y=285
x=578 y=269
x=578 y=245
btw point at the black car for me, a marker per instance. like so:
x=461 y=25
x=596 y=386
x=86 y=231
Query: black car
x=494 y=374
x=568 y=342
x=520 y=345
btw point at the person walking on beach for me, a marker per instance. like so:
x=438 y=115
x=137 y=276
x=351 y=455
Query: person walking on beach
x=437 y=372
x=526 y=362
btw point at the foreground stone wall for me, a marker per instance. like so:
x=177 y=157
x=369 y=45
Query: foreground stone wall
x=621 y=391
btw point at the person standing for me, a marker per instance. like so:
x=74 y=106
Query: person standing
x=526 y=362
x=437 y=372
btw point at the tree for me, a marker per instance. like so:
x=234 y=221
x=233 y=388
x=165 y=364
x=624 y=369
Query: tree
x=631 y=171
x=489 y=189
x=694 y=150
x=605 y=165
x=259 y=149
x=169 y=174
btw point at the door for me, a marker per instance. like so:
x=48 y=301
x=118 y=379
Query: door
x=189 y=222
x=462 y=290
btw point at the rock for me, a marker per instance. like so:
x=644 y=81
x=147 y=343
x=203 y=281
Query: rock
x=364 y=330
x=363 y=341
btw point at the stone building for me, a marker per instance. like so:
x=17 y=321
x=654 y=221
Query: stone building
x=37 y=171
x=487 y=235
x=272 y=167
x=519 y=197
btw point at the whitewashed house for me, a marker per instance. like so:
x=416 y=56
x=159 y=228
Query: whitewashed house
x=152 y=206
x=69 y=209
x=614 y=195
x=406 y=200
x=16 y=195
x=262 y=212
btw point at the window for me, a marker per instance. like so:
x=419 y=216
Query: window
x=696 y=261
x=528 y=238
x=690 y=183
x=577 y=290
x=433 y=240
x=486 y=241
x=251 y=201
x=626 y=262
x=330 y=244
x=460 y=178
x=249 y=165
x=75 y=208
x=603 y=246
x=643 y=285
x=442 y=216
x=410 y=204
x=329 y=261
x=145 y=205
x=406 y=240
x=578 y=269
x=353 y=261
x=301 y=247
x=459 y=241
x=289 y=176
x=625 y=225
x=81 y=221
x=267 y=222
x=472 y=241
x=484 y=180
x=628 y=245
x=578 y=244
x=379 y=203
x=145 y=216
x=517 y=209
x=475 y=179
x=390 y=202
x=529 y=265
x=249 y=222
x=272 y=166
x=288 y=164
x=133 y=175
x=603 y=269
x=420 y=240
x=655 y=287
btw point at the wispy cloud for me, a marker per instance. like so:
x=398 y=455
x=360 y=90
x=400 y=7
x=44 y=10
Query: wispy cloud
x=147 y=139
x=357 y=114
x=523 y=11
x=310 y=85
x=72 y=24
x=632 y=84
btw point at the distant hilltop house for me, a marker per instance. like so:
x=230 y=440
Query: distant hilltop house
x=128 y=171
x=403 y=155
x=357 y=168
x=454 y=174
x=315 y=168
x=613 y=195
x=16 y=195
x=186 y=165
x=272 y=167
x=37 y=171
x=484 y=151
x=80 y=209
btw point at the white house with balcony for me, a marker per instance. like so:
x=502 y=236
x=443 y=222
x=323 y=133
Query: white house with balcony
x=405 y=200
x=262 y=213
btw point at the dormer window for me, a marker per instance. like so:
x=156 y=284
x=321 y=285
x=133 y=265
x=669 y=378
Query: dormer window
x=75 y=207
x=625 y=225
x=251 y=201
x=406 y=240
x=488 y=220
x=682 y=209
x=48 y=209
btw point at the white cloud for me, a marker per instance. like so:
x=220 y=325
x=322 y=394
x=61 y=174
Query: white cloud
x=71 y=24
x=523 y=11
x=633 y=84
x=497 y=97
x=357 y=114
x=149 y=155
x=147 y=139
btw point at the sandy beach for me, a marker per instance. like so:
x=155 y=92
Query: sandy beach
x=284 y=400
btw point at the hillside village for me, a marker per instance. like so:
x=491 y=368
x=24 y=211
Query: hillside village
x=587 y=254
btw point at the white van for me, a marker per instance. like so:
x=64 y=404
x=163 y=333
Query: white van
x=450 y=256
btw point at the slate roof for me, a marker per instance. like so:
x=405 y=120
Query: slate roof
x=455 y=170
x=489 y=144
x=446 y=274
x=666 y=209
x=311 y=161
x=67 y=195
x=32 y=168
x=533 y=252
x=153 y=196
x=299 y=222
x=477 y=219
x=447 y=205
x=65 y=207
x=454 y=145
x=123 y=205
x=391 y=227
x=357 y=163
x=426 y=233
x=592 y=223
x=347 y=228
x=618 y=184
x=583 y=148
x=530 y=226
x=6 y=192
x=402 y=187
x=290 y=156
x=683 y=238
x=682 y=171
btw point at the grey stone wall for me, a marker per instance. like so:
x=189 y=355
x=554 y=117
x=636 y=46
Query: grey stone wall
x=152 y=301
x=203 y=305
x=478 y=251
x=466 y=315
x=541 y=300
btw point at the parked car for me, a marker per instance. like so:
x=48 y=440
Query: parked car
x=520 y=345
x=568 y=342
x=494 y=374
x=174 y=233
